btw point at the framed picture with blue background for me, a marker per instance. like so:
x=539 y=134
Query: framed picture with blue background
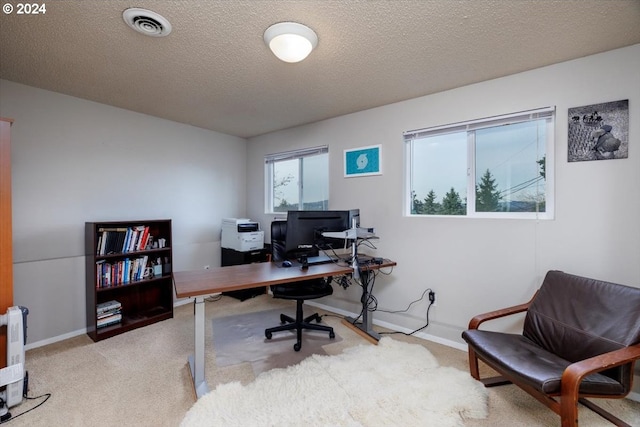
x=363 y=161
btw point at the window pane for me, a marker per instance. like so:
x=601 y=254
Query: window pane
x=297 y=181
x=315 y=182
x=509 y=168
x=439 y=175
x=495 y=167
x=285 y=185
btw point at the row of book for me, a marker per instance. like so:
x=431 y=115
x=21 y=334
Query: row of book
x=121 y=272
x=123 y=239
x=108 y=313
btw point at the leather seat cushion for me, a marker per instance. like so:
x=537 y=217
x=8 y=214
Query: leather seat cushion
x=310 y=289
x=519 y=357
x=577 y=317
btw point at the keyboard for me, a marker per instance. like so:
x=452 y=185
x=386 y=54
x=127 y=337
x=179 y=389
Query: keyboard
x=320 y=259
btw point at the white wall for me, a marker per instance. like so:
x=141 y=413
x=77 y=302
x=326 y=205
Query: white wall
x=75 y=161
x=476 y=265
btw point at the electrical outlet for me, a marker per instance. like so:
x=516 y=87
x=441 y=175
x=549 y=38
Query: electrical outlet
x=432 y=298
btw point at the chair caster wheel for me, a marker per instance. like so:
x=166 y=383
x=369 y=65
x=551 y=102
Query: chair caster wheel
x=318 y=319
x=332 y=335
x=297 y=346
x=282 y=319
x=268 y=335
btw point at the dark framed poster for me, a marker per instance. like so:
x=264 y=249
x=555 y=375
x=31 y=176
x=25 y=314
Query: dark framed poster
x=599 y=132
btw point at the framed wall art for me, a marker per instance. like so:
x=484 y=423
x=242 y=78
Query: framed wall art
x=363 y=161
x=599 y=132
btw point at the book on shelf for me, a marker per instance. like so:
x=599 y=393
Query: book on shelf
x=127 y=239
x=109 y=320
x=108 y=238
x=114 y=240
x=109 y=313
x=124 y=271
x=122 y=234
x=142 y=241
x=132 y=240
x=107 y=306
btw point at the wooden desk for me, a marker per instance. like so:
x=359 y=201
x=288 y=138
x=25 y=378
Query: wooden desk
x=202 y=283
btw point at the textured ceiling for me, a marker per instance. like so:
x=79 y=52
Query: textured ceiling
x=214 y=70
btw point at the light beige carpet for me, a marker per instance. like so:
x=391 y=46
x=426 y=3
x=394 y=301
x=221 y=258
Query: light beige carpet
x=240 y=338
x=141 y=378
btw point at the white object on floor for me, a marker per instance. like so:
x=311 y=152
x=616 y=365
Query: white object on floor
x=393 y=383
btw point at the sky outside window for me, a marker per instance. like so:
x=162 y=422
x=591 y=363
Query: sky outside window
x=314 y=173
x=509 y=152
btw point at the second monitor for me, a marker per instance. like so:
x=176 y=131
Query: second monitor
x=304 y=231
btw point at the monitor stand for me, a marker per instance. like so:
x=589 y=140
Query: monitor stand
x=304 y=262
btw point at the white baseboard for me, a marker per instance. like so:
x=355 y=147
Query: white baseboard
x=55 y=339
x=68 y=335
x=392 y=326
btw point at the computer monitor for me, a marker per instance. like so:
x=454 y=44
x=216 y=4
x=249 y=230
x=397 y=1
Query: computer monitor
x=305 y=228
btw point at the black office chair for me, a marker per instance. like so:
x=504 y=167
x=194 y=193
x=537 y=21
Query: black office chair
x=300 y=291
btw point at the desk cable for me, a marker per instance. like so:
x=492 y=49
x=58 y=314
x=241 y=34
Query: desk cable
x=428 y=290
x=9 y=417
x=371 y=303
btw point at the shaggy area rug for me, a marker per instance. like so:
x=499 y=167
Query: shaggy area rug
x=391 y=384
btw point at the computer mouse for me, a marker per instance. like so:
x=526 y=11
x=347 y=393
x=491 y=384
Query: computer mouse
x=286 y=263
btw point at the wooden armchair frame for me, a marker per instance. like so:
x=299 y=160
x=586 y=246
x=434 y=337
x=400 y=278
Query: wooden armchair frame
x=564 y=404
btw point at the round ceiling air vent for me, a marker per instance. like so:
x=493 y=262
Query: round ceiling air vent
x=146 y=22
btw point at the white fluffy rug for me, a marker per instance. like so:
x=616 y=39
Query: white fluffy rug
x=391 y=384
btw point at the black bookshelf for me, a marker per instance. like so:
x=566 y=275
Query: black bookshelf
x=129 y=270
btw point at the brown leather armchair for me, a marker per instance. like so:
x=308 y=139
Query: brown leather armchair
x=581 y=338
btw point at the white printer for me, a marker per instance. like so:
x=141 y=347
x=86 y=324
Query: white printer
x=241 y=234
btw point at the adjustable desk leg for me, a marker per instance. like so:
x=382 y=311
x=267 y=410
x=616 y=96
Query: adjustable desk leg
x=365 y=328
x=196 y=361
x=367 y=319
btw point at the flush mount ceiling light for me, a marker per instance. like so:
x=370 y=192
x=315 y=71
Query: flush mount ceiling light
x=146 y=22
x=290 y=41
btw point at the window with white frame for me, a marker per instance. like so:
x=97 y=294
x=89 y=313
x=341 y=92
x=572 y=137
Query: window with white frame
x=498 y=167
x=297 y=180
